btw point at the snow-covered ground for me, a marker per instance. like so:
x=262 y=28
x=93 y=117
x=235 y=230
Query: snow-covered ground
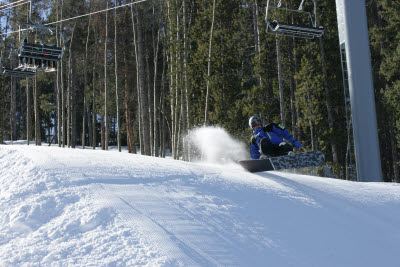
x=74 y=207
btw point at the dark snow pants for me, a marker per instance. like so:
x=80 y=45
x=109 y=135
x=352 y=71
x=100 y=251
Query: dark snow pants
x=269 y=149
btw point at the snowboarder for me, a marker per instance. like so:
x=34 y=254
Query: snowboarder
x=268 y=141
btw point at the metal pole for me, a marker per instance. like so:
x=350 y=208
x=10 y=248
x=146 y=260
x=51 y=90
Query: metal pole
x=30 y=10
x=353 y=33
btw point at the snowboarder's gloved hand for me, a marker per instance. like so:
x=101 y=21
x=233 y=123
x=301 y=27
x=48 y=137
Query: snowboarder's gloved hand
x=297 y=144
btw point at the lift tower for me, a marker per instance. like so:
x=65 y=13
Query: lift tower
x=354 y=44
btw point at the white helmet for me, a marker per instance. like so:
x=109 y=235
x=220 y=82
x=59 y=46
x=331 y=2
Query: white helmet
x=254 y=119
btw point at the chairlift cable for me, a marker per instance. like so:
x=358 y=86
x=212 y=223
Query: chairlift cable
x=4 y=9
x=96 y=12
x=10 y=4
x=80 y=16
x=100 y=11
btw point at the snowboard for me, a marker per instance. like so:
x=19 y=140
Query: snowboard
x=301 y=160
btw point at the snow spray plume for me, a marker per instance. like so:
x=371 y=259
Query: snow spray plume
x=214 y=144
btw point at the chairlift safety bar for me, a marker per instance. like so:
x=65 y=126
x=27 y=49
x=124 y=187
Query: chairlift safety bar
x=287 y=9
x=292 y=30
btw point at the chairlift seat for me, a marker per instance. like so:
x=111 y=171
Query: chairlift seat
x=296 y=30
x=18 y=73
x=34 y=68
x=43 y=52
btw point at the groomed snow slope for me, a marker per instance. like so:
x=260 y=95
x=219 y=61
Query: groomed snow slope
x=103 y=208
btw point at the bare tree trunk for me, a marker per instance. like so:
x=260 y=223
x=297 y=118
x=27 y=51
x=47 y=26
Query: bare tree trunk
x=2 y=121
x=69 y=104
x=183 y=124
x=90 y=125
x=177 y=116
x=327 y=96
x=127 y=101
x=94 y=143
x=28 y=113
x=14 y=89
x=85 y=103
x=63 y=106
x=116 y=80
x=292 y=82
x=64 y=120
x=128 y=116
x=185 y=63
x=102 y=134
x=172 y=100
x=394 y=155
x=143 y=89
x=280 y=81
x=59 y=133
x=102 y=120
x=84 y=120
x=171 y=80
x=348 y=165
x=138 y=87
x=256 y=37
x=292 y=105
x=94 y=132
x=164 y=131
x=163 y=123
x=69 y=89
x=150 y=101
x=37 y=117
x=151 y=87
x=296 y=129
x=106 y=126
x=156 y=99
x=73 y=100
x=183 y=120
x=102 y=129
x=310 y=119
x=206 y=119
x=59 y=107
x=12 y=99
x=13 y=107
x=161 y=110
x=328 y=101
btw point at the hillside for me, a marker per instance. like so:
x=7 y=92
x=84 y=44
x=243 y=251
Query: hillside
x=104 y=208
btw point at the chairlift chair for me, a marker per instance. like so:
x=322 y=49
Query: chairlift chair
x=38 y=51
x=37 y=56
x=294 y=30
x=17 y=73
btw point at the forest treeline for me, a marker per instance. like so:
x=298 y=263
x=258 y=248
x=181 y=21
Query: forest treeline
x=144 y=75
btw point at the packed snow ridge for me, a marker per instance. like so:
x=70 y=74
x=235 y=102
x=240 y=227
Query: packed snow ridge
x=74 y=207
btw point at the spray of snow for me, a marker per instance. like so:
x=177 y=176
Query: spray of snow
x=214 y=144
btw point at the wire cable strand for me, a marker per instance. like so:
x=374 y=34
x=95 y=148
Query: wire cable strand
x=92 y=13
x=13 y=3
x=4 y=8
x=77 y=17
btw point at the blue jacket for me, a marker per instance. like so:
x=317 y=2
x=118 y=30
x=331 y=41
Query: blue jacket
x=274 y=132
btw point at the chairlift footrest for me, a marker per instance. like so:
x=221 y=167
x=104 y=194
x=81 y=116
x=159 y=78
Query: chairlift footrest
x=296 y=30
x=18 y=73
